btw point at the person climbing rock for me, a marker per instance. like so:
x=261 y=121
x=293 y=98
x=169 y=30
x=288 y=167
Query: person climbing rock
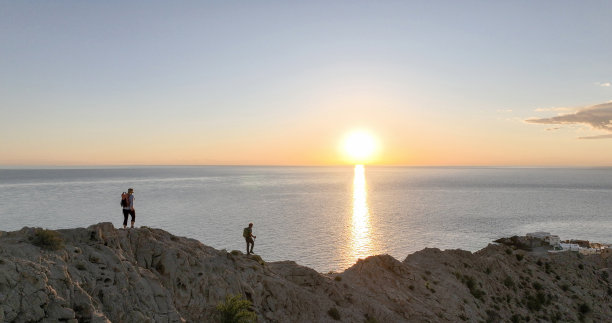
x=128 y=208
x=247 y=233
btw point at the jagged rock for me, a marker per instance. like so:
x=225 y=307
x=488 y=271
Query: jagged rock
x=104 y=274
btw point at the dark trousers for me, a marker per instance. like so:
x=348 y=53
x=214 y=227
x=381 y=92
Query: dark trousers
x=251 y=242
x=126 y=213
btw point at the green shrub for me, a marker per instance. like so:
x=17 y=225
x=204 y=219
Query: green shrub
x=519 y=257
x=48 y=239
x=508 y=282
x=334 y=313
x=338 y=278
x=537 y=285
x=235 y=252
x=370 y=319
x=235 y=309
x=581 y=266
x=584 y=308
x=471 y=285
x=537 y=301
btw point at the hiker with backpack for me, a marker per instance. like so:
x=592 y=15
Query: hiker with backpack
x=127 y=202
x=247 y=233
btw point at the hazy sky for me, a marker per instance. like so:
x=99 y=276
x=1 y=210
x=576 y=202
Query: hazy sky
x=281 y=82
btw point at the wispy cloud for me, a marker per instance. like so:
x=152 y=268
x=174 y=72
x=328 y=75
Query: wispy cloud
x=558 y=109
x=504 y=110
x=597 y=137
x=598 y=117
x=604 y=84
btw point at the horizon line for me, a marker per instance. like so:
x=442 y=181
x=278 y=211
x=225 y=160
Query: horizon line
x=298 y=165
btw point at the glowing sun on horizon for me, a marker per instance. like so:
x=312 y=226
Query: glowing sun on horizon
x=359 y=146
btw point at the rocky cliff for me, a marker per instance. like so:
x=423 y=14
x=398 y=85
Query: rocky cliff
x=102 y=274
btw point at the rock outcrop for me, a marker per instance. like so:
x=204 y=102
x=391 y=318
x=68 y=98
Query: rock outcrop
x=103 y=274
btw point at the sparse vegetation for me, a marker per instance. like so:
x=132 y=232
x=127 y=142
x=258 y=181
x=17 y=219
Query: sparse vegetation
x=584 y=308
x=370 y=319
x=334 y=313
x=519 y=257
x=429 y=287
x=48 y=239
x=235 y=309
x=547 y=268
x=235 y=252
x=470 y=282
x=537 y=301
x=537 y=286
x=492 y=317
x=338 y=278
x=508 y=282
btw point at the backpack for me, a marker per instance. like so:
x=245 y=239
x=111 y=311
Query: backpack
x=245 y=233
x=125 y=199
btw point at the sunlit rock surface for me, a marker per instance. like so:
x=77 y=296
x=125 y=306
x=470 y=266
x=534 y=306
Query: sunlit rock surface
x=103 y=274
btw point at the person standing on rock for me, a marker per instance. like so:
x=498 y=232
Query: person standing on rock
x=128 y=209
x=247 y=233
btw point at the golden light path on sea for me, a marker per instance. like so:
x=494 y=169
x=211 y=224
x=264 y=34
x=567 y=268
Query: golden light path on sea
x=361 y=224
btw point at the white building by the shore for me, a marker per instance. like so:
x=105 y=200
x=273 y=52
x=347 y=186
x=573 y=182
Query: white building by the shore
x=555 y=241
x=569 y=246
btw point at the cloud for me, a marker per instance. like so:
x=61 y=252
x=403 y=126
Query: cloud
x=504 y=110
x=553 y=109
x=604 y=84
x=598 y=117
x=597 y=137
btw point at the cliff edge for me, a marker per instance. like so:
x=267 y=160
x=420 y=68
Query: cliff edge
x=103 y=274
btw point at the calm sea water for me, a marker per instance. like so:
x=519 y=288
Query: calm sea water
x=322 y=217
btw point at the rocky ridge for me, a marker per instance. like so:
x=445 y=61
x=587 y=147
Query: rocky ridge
x=103 y=274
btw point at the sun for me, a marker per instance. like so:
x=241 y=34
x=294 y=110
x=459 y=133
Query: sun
x=359 y=146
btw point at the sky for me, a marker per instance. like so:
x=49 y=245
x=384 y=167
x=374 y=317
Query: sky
x=437 y=83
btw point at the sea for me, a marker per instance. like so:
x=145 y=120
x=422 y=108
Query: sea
x=325 y=218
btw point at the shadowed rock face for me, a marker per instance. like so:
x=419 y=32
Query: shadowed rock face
x=104 y=274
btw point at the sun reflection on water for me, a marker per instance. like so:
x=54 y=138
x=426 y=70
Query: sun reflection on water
x=361 y=226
